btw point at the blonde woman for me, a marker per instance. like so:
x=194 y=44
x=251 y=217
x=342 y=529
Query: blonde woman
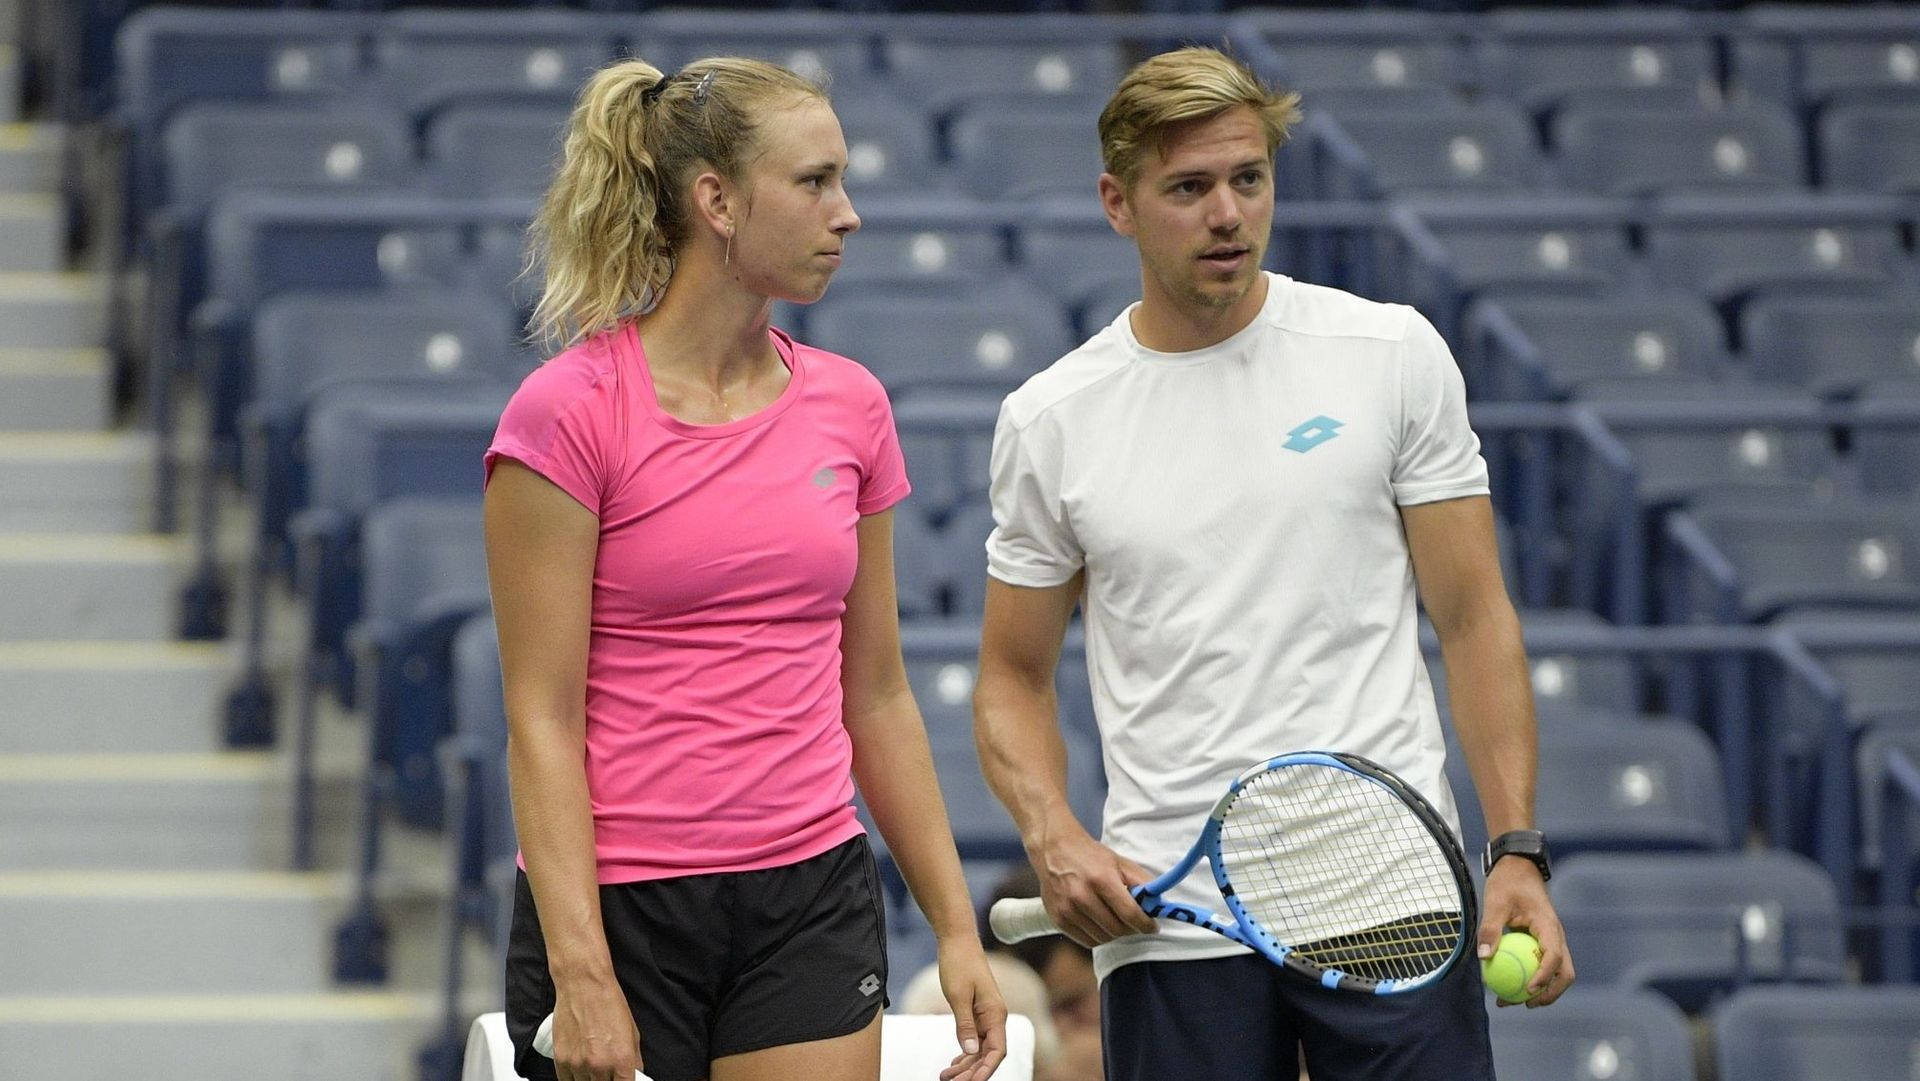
x=689 y=542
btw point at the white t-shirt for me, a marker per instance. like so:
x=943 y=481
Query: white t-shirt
x=1249 y=590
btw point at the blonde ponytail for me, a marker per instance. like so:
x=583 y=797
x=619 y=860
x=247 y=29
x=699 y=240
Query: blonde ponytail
x=608 y=229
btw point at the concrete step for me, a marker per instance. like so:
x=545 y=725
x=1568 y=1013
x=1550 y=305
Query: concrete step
x=158 y=812
x=55 y=389
x=32 y=233
x=30 y=157
x=52 y=311
x=142 y=932
x=80 y=482
x=10 y=87
x=364 y=1036
x=111 y=697
x=65 y=586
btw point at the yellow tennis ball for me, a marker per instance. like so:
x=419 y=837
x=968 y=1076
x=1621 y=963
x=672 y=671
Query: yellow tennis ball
x=1513 y=963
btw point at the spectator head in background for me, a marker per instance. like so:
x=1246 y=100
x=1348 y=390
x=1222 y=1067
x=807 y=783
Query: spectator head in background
x=721 y=177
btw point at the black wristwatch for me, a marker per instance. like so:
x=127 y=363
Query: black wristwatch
x=1529 y=845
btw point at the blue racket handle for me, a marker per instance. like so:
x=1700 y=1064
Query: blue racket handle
x=543 y=1043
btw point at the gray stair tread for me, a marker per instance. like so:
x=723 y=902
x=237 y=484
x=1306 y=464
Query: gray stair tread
x=30 y=157
x=88 y=585
x=141 y=812
x=55 y=389
x=112 y=696
x=75 y=481
x=97 y=932
x=366 y=1036
x=40 y=310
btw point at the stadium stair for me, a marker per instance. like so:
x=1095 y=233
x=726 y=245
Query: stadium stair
x=148 y=923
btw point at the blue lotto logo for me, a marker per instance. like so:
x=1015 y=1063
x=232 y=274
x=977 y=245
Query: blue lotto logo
x=1312 y=433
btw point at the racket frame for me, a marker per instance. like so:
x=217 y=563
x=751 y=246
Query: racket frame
x=1248 y=931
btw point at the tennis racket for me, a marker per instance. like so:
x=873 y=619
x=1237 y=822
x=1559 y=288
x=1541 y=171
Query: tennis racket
x=543 y=1043
x=1330 y=866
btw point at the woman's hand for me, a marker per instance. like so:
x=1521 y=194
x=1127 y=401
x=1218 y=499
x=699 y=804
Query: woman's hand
x=594 y=1037
x=979 y=1013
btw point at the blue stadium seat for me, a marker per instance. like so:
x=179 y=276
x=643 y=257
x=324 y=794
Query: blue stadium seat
x=1076 y=262
x=1832 y=345
x=498 y=265
x=1647 y=785
x=1889 y=454
x=1790 y=1033
x=1566 y=680
x=947 y=442
x=1872 y=146
x=1105 y=303
x=1724 y=248
x=428 y=59
x=1687 y=439
x=1461 y=247
x=919 y=560
x=494 y=149
x=423 y=577
x=364 y=451
x=990 y=338
x=1692 y=925
x=1319 y=51
x=942 y=665
x=1480 y=147
x=941 y=74
x=1001 y=152
x=1565 y=342
x=169 y=57
x=1870 y=656
x=1642 y=150
x=480 y=819
x=213 y=150
x=216 y=148
x=890 y=147
x=305 y=344
x=1594 y=1034
x=1544 y=57
x=1738 y=561
x=932 y=255
x=1817 y=54
x=966 y=552
x=829 y=55
x=484 y=819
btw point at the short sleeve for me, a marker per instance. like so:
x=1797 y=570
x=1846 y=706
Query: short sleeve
x=883 y=480
x=1032 y=543
x=555 y=425
x=1439 y=456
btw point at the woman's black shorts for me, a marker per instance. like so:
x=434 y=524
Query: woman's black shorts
x=721 y=964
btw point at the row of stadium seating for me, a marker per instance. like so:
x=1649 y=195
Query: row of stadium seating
x=1708 y=404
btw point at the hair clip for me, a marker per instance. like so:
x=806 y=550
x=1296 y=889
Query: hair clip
x=652 y=93
x=700 y=92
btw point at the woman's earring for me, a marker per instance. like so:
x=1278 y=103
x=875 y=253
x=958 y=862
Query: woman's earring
x=729 y=258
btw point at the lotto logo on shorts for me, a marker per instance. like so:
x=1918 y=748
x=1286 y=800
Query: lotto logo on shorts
x=869 y=985
x=1312 y=433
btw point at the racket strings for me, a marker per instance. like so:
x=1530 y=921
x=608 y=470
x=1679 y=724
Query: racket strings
x=1341 y=869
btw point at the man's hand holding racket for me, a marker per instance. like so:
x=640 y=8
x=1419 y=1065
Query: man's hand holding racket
x=1086 y=886
x=1516 y=899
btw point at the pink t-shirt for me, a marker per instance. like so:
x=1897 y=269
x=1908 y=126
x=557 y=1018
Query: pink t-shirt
x=714 y=732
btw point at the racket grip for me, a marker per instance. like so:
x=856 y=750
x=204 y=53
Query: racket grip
x=1016 y=919
x=543 y=1043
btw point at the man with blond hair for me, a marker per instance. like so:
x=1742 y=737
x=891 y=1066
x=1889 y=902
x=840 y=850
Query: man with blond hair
x=1241 y=481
